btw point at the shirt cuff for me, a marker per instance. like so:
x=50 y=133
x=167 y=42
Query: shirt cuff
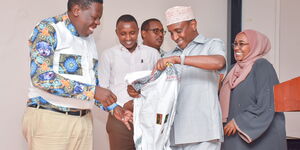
x=242 y=134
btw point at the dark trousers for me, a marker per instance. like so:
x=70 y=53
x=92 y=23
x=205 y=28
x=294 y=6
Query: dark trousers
x=120 y=138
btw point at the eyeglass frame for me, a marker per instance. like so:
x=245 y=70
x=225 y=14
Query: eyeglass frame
x=156 y=31
x=239 y=45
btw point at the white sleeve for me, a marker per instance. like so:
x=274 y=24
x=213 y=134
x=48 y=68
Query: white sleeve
x=156 y=57
x=104 y=70
x=217 y=47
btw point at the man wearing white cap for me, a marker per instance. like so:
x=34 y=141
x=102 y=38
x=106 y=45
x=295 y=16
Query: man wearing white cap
x=200 y=60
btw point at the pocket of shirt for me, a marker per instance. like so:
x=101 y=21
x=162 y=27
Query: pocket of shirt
x=68 y=61
x=70 y=64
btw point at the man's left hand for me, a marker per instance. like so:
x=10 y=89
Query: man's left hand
x=132 y=92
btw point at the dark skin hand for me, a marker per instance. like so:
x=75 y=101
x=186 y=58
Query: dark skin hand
x=207 y=62
x=105 y=96
x=128 y=105
x=125 y=116
x=132 y=92
x=161 y=63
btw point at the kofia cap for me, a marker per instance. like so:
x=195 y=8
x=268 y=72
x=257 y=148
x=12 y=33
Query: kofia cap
x=178 y=14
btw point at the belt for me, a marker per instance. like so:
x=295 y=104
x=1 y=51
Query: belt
x=73 y=113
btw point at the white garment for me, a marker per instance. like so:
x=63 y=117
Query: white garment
x=117 y=61
x=68 y=44
x=154 y=111
x=209 y=145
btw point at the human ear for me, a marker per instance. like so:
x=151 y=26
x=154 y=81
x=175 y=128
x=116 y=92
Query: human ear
x=76 y=10
x=143 y=33
x=193 y=24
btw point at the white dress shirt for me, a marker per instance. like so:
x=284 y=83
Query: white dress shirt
x=117 y=61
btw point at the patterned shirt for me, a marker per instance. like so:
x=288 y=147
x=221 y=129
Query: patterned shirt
x=43 y=45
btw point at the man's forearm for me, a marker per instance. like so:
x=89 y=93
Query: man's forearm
x=207 y=62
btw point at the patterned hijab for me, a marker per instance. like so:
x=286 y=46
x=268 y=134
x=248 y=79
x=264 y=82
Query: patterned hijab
x=259 y=46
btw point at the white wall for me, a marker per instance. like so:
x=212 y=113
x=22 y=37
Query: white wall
x=211 y=22
x=280 y=21
x=20 y=16
x=290 y=53
x=256 y=16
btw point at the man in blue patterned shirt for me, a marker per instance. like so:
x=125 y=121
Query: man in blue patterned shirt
x=64 y=80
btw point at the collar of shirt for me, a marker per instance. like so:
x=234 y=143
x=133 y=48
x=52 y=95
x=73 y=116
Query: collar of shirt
x=198 y=39
x=160 y=50
x=122 y=48
x=65 y=18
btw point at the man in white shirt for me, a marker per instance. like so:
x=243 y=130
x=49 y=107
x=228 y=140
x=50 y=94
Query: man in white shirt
x=116 y=62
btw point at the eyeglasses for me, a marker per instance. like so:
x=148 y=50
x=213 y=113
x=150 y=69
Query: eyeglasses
x=157 y=31
x=239 y=45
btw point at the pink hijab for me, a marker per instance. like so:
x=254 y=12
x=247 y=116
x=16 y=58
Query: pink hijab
x=259 y=46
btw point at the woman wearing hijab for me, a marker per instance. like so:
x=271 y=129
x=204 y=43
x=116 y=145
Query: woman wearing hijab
x=247 y=100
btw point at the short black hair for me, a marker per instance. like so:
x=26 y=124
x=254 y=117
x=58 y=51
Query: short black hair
x=126 y=18
x=145 y=24
x=82 y=3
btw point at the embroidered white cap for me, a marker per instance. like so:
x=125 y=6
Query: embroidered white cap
x=178 y=14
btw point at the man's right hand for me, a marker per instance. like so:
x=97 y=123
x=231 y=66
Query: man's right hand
x=132 y=92
x=161 y=64
x=105 y=96
x=125 y=116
